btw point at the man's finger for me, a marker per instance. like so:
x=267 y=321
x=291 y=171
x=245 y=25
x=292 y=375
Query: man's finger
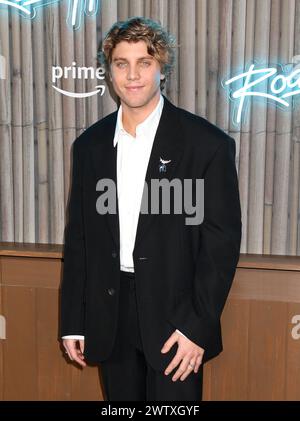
x=189 y=370
x=169 y=343
x=81 y=346
x=184 y=368
x=198 y=363
x=80 y=354
x=174 y=363
x=74 y=353
x=68 y=354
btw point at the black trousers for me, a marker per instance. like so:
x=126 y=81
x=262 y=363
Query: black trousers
x=126 y=375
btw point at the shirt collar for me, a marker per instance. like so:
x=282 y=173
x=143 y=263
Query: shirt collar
x=142 y=127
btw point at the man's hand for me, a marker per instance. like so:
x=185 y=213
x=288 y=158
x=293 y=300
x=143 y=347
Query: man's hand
x=73 y=351
x=188 y=353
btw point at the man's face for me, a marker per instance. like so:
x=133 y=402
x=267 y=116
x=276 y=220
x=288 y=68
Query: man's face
x=135 y=74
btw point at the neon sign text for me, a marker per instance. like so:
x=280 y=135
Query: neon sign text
x=281 y=87
x=76 y=9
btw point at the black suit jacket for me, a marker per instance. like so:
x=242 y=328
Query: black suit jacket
x=183 y=272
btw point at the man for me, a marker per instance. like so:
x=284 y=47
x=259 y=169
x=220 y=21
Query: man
x=142 y=293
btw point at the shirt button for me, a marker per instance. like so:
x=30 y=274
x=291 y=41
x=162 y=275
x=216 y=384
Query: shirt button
x=111 y=291
x=114 y=254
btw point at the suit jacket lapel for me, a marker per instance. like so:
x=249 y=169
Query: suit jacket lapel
x=167 y=145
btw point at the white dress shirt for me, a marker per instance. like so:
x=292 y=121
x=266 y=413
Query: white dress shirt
x=132 y=161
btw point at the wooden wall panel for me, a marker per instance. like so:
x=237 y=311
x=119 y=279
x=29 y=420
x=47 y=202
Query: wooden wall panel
x=1 y=340
x=267 y=350
x=54 y=376
x=260 y=360
x=224 y=380
x=33 y=365
x=20 y=352
x=292 y=369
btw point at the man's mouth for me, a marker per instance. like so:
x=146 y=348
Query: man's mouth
x=134 y=88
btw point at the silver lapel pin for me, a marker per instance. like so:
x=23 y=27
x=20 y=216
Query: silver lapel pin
x=162 y=165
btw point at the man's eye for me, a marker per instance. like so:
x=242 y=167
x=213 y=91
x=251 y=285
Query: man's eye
x=121 y=65
x=145 y=63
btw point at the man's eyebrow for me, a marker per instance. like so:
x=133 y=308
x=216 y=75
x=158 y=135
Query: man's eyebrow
x=140 y=58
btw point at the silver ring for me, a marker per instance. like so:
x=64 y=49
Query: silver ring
x=192 y=365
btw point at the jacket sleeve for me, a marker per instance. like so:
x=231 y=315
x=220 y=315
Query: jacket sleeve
x=197 y=314
x=74 y=273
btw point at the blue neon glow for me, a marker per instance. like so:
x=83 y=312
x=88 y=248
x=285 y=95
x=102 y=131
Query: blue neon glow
x=76 y=9
x=275 y=84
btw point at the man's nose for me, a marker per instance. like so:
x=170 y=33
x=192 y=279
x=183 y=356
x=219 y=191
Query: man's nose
x=133 y=72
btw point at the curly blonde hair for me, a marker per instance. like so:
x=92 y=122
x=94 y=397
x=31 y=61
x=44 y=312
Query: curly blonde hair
x=160 y=44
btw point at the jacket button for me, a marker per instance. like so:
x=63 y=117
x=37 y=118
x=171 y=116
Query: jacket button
x=114 y=254
x=111 y=291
